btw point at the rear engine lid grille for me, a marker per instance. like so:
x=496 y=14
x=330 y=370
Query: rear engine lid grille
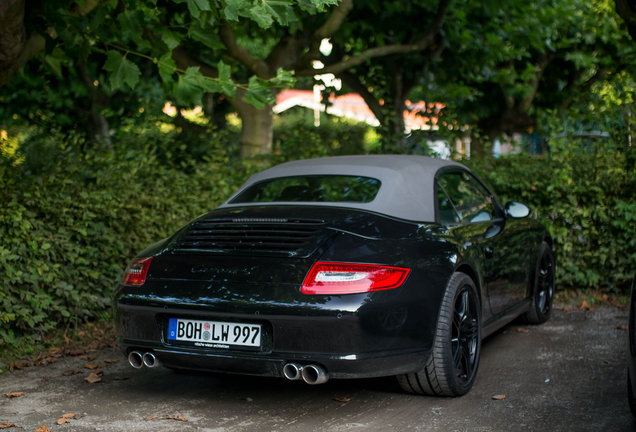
x=254 y=236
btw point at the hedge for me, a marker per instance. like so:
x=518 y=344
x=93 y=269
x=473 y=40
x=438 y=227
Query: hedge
x=67 y=232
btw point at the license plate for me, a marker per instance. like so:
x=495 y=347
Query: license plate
x=214 y=334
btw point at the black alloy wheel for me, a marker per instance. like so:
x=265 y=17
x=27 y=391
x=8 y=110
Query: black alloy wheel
x=543 y=290
x=630 y=395
x=464 y=335
x=452 y=367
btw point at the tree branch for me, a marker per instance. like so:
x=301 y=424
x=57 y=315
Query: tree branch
x=336 y=18
x=372 y=102
x=542 y=63
x=382 y=51
x=257 y=66
x=184 y=60
x=436 y=27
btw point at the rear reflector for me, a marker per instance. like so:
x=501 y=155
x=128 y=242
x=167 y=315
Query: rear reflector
x=136 y=271
x=340 y=278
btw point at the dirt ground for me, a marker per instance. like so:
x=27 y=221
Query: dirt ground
x=566 y=375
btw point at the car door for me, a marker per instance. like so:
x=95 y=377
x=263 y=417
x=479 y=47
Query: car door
x=480 y=224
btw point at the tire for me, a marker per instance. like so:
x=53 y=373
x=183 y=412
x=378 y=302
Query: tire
x=452 y=366
x=543 y=288
x=630 y=395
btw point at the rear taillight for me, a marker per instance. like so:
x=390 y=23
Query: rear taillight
x=136 y=271
x=340 y=278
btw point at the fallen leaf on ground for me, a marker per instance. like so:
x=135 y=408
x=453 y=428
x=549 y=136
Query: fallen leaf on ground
x=44 y=428
x=0 y=370
x=120 y=378
x=111 y=361
x=8 y=424
x=623 y=327
x=522 y=330
x=71 y=372
x=62 y=420
x=342 y=399
x=87 y=357
x=55 y=352
x=46 y=378
x=566 y=309
x=76 y=352
x=592 y=378
x=608 y=362
x=93 y=378
x=71 y=416
x=14 y=394
x=499 y=397
x=67 y=340
x=90 y=365
x=586 y=306
x=152 y=417
x=174 y=417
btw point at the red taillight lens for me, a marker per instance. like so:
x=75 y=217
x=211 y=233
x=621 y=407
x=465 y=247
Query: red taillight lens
x=136 y=271
x=339 y=278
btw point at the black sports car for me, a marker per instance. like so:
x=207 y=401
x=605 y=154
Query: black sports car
x=343 y=267
x=631 y=354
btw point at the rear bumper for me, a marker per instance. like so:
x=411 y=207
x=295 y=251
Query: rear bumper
x=354 y=336
x=366 y=365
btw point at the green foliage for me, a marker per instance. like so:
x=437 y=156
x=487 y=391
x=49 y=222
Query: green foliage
x=586 y=198
x=143 y=31
x=66 y=234
x=68 y=227
x=296 y=137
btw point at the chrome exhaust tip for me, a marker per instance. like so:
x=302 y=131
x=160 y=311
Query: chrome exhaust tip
x=314 y=374
x=293 y=371
x=135 y=358
x=150 y=360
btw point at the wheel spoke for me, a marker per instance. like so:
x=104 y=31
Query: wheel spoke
x=462 y=311
x=456 y=352
x=468 y=365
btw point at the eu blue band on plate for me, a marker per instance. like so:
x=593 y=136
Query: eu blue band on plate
x=172 y=329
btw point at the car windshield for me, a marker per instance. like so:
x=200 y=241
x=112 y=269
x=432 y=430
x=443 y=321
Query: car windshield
x=315 y=188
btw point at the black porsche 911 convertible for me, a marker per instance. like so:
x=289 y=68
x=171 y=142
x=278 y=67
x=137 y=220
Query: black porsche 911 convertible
x=342 y=267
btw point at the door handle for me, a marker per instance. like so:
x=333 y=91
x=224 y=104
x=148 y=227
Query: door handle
x=489 y=252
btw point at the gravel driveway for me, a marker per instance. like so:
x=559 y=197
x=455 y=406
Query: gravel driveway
x=566 y=375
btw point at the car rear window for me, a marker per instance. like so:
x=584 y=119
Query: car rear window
x=316 y=188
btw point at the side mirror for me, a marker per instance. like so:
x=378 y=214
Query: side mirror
x=516 y=210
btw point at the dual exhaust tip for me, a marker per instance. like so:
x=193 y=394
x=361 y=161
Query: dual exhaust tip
x=311 y=374
x=138 y=359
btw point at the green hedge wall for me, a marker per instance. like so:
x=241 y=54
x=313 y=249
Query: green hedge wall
x=66 y=235
x=67 y=232
x=587 y=199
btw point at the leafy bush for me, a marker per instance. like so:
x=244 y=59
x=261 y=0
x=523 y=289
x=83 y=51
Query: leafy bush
x=296 y=137
x=66 y=234
x=587 y=199
x=68 y=227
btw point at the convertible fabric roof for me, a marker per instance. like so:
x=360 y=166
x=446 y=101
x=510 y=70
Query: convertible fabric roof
x=408 y=182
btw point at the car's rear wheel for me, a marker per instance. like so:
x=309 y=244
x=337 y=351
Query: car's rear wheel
x=452 y=366
x=543 y=290
x=630 y=395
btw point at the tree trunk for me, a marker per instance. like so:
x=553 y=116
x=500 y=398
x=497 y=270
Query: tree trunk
x=257 y=130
